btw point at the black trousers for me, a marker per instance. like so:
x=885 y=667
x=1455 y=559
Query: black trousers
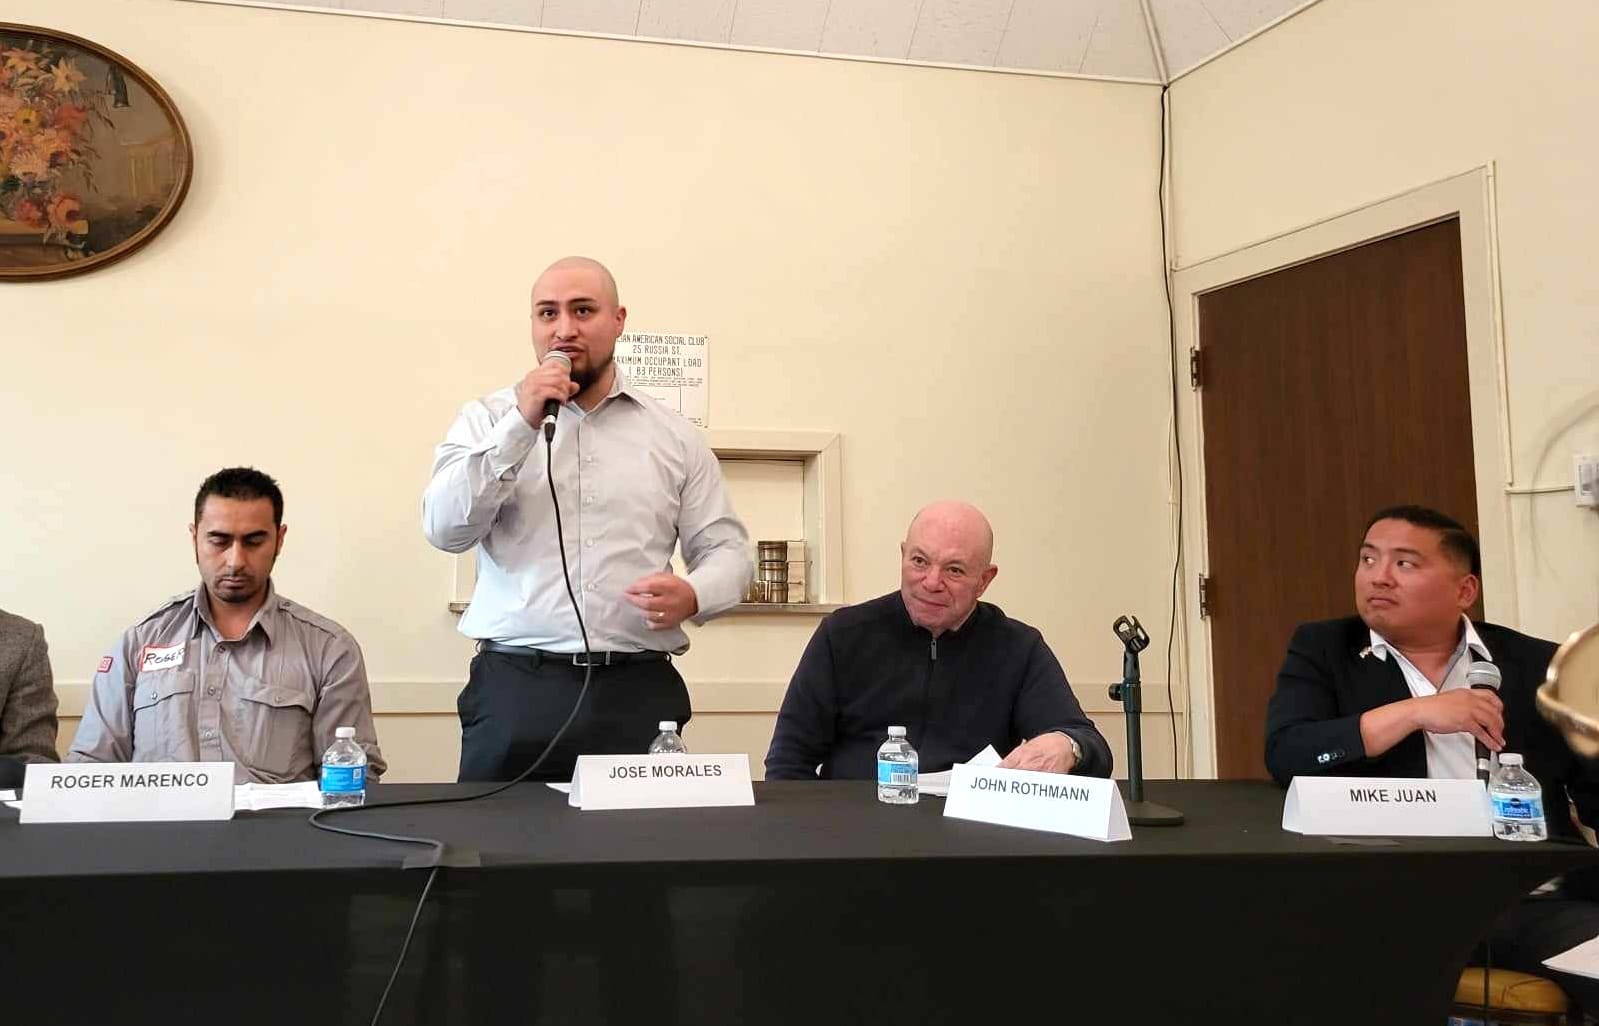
x=510 y=708
x=513 y=704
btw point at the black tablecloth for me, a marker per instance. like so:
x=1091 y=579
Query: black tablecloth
x=817 y=905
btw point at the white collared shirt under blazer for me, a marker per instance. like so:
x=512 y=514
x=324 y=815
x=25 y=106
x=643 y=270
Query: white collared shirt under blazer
x=1449 y=756
x=633 y=478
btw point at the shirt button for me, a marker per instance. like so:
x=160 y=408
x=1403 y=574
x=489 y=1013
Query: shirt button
x=588 y=587
x=588 y=500
x=211 y=690
x=588 y=459
x=589 y=544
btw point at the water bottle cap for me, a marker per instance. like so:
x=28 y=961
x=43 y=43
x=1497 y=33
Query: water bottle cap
x=344 y=732
x=896 y=731
x=666 y=725
x=1509 y=759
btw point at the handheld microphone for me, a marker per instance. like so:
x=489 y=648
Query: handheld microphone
x=1483 y=676
x=553 y=406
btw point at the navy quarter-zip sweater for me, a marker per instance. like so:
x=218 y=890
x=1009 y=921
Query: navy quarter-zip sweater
x=868 y=667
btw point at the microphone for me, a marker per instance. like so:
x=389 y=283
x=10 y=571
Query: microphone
x=1483 y=676
x=553 y=406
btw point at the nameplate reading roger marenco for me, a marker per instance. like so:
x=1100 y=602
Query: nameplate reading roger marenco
x=661 y=781
x=1059 y=803
x=1387 y=807
x=127 y=792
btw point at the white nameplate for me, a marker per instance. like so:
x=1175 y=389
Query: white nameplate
x=660 y=781
x=127 y=792
x=1388 y=807
x=1061 y=804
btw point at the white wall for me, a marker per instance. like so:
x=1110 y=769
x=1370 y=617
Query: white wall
x=1357 y=100
x=956 y=271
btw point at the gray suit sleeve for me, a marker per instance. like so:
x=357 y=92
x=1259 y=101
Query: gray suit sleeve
x=28 y=721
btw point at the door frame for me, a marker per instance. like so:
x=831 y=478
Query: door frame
x=1469 y=197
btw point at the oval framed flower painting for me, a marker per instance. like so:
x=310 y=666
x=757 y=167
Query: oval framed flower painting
x=94 y=157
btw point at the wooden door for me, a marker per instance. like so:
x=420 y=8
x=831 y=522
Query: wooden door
x=1328 y=390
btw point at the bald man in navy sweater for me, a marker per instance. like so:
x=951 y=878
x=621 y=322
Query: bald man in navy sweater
x=956 y=673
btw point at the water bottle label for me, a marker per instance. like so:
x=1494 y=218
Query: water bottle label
x=343 y=779
x=894 y=774
x=1516 y=807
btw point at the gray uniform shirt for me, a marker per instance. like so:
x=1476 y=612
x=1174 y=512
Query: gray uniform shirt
x=173 y=690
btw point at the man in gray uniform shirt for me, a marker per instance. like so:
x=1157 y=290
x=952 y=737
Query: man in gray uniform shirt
x=232 y=671
x=634 y=480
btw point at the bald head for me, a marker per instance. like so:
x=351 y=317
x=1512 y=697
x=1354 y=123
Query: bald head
x=605 y=283
x=958 y=523
x=576 y=313
x=946 y=563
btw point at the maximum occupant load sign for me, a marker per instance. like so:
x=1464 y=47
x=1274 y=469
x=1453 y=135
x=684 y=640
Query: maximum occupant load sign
x=672 y=368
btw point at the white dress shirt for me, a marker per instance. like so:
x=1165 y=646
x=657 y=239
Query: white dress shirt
x=633 y=478
x=1449 y=756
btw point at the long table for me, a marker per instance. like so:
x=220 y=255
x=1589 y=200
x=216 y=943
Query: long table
x=817 y=905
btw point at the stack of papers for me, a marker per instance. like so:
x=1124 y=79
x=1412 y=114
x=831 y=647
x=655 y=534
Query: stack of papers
x=1582 y=960
x=306 y=794
x=937 y=784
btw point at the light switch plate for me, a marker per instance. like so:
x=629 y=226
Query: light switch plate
x=1587 y=480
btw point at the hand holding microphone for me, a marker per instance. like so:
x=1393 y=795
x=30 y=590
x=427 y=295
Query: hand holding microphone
x=1476 y=710
x=1485 y=676
x=540 y=394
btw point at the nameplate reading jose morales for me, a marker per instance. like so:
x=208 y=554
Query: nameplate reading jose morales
x=660 y=781
x=1061 y=804
x=127 y=792
x=1387 y=807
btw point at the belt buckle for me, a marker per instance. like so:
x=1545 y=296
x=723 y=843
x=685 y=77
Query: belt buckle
x=582 y=663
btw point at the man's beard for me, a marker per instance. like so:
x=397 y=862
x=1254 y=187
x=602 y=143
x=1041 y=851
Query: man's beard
x=584 y=378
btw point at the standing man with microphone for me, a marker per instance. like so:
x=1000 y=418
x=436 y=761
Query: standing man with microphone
x=632 y=479
x=1411 y=687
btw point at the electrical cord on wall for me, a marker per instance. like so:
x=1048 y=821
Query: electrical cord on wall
x=1171 y=344
x=440 y=850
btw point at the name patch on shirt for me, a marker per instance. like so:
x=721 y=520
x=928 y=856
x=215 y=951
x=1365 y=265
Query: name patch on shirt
x=105 y=664
x=152 y=658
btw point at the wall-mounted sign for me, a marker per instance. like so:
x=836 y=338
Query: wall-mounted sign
x=672 y=368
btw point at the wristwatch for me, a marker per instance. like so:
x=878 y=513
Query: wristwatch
x=1077 y=749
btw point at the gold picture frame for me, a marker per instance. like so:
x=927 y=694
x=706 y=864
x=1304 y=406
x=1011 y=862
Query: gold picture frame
x=94 y=157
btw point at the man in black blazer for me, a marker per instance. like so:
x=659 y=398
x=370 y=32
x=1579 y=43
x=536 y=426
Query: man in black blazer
x=1384 y=694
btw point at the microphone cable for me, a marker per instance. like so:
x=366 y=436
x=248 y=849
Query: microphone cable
x=437 y=858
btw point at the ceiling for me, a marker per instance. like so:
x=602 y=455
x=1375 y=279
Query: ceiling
x=1144 y=40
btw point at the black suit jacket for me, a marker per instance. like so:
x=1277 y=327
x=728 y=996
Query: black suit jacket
x=1313 y=721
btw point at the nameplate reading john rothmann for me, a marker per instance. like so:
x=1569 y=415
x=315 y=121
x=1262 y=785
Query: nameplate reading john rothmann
x=127 y=792
x=660 y=781
x=1081 y=806
x=1387 y=807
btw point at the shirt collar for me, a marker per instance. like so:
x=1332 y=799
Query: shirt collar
x=1380 y=647
x=266 y=617
x=619 y=386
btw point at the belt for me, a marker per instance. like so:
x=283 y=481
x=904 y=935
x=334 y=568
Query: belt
x=538 y=655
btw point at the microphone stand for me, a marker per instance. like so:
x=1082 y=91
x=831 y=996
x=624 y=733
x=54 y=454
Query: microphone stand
x=1130 y=694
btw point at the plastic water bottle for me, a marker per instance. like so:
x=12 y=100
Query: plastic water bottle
x=1517 y=802
x=343 y=771
x=897 y=766
x=667 y=742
